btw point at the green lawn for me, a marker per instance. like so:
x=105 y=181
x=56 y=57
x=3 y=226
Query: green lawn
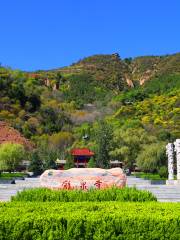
x=149 y=176
x=8 y=176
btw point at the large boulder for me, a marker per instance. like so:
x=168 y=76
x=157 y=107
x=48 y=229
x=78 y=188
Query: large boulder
x=83 y=178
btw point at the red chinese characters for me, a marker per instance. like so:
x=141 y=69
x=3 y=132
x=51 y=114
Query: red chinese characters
x=66 y=185
x=83 y=186
x=98 y=184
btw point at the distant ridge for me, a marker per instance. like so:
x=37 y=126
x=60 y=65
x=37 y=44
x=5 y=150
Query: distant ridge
x=116 y=73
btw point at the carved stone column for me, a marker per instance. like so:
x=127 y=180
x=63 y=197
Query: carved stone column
x=177 y=150
x=170 y=154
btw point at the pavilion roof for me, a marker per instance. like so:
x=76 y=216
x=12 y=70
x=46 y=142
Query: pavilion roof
x=82 y=152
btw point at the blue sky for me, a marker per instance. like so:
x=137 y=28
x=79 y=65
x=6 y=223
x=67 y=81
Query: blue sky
x=45 y=34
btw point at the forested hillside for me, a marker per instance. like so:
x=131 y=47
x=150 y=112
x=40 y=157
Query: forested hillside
x=127 y=109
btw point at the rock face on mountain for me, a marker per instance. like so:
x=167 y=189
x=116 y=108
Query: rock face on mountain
x=83 y=178
x=9 y=134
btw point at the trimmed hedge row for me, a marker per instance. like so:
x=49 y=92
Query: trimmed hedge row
x=112 y=194
x=92 y=220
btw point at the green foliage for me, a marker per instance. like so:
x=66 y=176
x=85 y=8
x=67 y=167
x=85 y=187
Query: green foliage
x=152 y=176
x=45 y=155
x=104 y=144
x=80 y=89
x=70 y=162
x=61 y=140
x=83 y=89
x=158 y=114
x=36 y=163
x=92 y=195
x=129 y=97
x=107 y=70
x=162 y=84
x=152 y=157
x=31 y=104
x=53 y=119
x=105 y=221
x=12 y=175
x=128 y=143
x=91 y=163
x=163 y=171
x=11 y=154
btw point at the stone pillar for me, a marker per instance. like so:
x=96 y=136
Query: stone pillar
x=170 y=154
x=177 y=150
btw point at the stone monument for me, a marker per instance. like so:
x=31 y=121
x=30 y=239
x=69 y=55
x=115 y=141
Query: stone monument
x=177 y=150
x=173 y=150
x=83 y=178
x=170 y=154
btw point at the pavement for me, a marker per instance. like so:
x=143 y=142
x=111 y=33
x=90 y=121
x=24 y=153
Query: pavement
x=164 y=193
x=8 y=190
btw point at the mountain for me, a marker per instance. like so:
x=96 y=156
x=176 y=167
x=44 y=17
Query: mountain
x=108 y=70
x=116 y=73
x=135 y=101
x=46 y=102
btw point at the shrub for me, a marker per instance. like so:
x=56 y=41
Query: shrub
x=163 y=172
x=150 y=176
x=100 y=221
x=94 y=195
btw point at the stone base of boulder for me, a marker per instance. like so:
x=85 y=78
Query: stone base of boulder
x=173 y=182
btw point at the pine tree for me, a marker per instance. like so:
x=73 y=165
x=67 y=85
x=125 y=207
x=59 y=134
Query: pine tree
x=104 y=141
x=35 y=164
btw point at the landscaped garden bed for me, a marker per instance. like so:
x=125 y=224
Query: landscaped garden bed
x=103 y=214
x=92 y=220
x=112 y=194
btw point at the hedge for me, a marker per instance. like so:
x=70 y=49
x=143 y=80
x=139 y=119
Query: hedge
x=113 y=194
x=89 y=220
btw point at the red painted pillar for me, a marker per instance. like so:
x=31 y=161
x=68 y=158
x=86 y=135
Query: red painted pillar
x=85 y=163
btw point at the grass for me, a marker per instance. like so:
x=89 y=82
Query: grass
x=149 y=176
x=9 y=176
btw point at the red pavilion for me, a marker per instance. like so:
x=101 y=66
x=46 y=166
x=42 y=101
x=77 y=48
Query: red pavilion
x=81 y=157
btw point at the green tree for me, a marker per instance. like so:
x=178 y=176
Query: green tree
x=36 y=164
x=70 y=162
x=91 y=163
x=128 y=143
x=81 y=89
x=104 y=142
x=151 y=157
x=11 y=154
x=53 y=119
x=61 y=140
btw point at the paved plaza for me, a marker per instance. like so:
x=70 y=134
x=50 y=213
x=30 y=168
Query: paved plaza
x=8 y=190
x=163 y=193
